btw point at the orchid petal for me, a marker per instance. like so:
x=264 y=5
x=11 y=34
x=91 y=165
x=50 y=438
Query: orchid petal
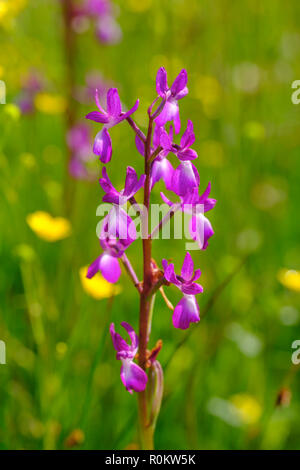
x=97 y=117
x=110 y=268
x=179 y=83
x=200 y=230
x=185 y=177
x=188 y=137
x=133 y=377
x=186 y=312
x=113 y=103
x=132 y=335
x=187 y=269
x=103 y=146
x=118 y=342
x=161 y=82
x=93 y=268
x=128 y=113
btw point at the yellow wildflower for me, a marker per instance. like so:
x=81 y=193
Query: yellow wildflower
x=47 y=227
x=50 y=104
x=248 y=408
x=97 y=287
x=289 y=278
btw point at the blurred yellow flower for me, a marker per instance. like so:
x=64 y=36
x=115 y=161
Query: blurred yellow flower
x=289 y=278
x=50 y=104
x=97 y=287
x=47 y=227
x=248 y=408
x=9 y=9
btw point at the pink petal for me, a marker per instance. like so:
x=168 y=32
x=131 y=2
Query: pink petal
x=110 y=268
x=161 y=82
x=187 y=269
x=133 y=377
x=186 y=312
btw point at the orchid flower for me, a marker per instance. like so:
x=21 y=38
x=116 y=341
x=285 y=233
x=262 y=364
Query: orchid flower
x=187 y=310
x=171 y=96
x=132 y=186
x=182 y=151
x=132 y=376
x=111 y=117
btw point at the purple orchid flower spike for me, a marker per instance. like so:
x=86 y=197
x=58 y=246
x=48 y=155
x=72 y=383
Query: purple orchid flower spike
x=187 y=310
x=132 y=376
x=171 y=96
x=132 y=186
x=182 y=151
x=110 y=118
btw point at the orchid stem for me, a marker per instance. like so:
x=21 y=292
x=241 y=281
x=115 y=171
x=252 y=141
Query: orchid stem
x=146 y=431
x=136 y=129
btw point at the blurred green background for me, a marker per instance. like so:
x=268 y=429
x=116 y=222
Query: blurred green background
x=60 y=386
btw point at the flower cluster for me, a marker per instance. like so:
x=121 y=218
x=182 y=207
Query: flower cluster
x=118 y=230
x=103 y=15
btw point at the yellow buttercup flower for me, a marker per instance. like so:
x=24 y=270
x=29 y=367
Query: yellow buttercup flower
x=248 y=408
x=50 y=104
x=47 y=227
x=289 y=278
x=97 y=287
